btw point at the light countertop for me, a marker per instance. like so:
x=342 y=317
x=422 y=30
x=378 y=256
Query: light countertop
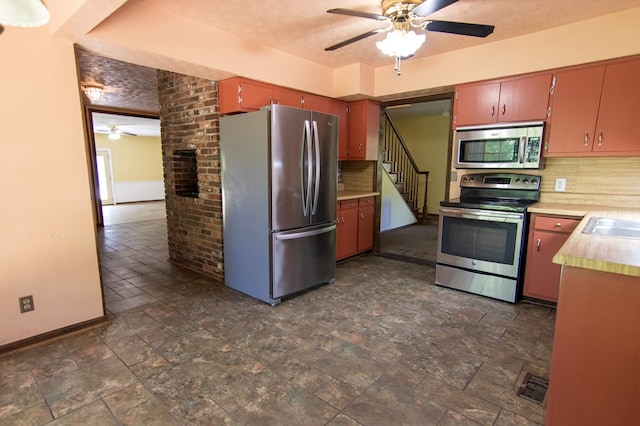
x=600 y=252
x=349 y=194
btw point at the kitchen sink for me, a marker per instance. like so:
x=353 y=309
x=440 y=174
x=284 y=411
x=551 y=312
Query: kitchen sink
x=613 y=227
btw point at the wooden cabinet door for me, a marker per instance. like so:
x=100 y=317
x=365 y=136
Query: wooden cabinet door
x=254 y=96
x=314 y=103
x=365 y=227
x=524 y=98
x=340 y=109
x=476 y=104
x=542 y=276
x=364 y=129
x=574 y=110
x=286 y=97
x=348 y=229
x=619 y=105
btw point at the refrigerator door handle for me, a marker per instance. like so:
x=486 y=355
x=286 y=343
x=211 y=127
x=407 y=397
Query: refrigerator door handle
x=316 y=165
x=306 y=147
x=303 y=234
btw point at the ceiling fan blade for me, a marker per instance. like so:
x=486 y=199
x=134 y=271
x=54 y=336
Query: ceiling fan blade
x=430 y=6
x=358 y=14
x=354 y=39
x=461 y=28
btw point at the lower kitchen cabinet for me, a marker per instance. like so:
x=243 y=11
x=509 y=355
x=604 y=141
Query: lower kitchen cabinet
x=355 y=226
x=594 y=365
x=546 y=236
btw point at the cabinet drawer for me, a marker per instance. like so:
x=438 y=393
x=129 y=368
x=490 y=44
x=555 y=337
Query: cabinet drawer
x=348 y=204
x=558 y=224
x=367 y=201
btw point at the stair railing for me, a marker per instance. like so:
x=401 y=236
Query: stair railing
x=402 y=163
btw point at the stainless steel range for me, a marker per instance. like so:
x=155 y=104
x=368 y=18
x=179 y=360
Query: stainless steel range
x=481 y=237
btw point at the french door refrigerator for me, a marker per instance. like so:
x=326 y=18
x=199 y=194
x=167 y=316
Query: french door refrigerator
x=279 y=187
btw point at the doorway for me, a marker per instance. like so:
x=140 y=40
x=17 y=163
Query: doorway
x=424 y=127
x=105 y=176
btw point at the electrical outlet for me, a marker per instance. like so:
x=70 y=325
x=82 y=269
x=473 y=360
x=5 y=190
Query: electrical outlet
x=26 y=304
x=561 y=184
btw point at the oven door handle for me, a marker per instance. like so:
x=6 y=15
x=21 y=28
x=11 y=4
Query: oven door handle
x=494 y=216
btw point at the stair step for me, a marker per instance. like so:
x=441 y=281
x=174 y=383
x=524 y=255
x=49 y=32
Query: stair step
x=388 y=165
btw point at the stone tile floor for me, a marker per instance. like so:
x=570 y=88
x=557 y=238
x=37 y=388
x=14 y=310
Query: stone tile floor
x=381 y=346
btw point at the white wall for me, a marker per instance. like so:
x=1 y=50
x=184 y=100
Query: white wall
x=394 y=211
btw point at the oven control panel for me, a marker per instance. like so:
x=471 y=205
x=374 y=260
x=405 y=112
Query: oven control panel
x=500 y=181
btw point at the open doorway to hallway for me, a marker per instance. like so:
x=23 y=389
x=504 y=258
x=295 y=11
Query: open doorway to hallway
x=128 y=160
x=424 y=131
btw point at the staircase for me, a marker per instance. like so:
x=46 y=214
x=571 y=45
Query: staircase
x=402 y=169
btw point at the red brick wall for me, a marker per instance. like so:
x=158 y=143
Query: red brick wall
x=189 y=120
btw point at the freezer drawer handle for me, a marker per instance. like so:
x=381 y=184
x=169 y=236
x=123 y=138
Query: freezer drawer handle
x=305 y=233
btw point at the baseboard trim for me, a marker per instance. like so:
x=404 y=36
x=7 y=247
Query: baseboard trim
x=55 y=334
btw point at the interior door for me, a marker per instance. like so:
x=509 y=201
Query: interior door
x=105 y=180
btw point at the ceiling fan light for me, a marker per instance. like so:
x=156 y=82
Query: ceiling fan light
x=114 y=135
x=23 y=13
x=401 y=44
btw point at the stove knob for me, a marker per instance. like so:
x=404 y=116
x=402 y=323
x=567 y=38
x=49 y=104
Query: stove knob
x=464 y=180
x=534 y=181
x=517 y=180
x=525 y=180
x=472 y=179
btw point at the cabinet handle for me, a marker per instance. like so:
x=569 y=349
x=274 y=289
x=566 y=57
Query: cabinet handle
x=600 y=139
x=504 y=109
x=342 y=220
x=558 y=225
x=361 y=216
x=493 y=110
x=586 y=138
x=538 y=244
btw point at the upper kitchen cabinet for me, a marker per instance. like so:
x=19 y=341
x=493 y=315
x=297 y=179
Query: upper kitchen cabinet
x=341 y=110
x=516 y=99
x=364 y=130
x=238 y=94
x=594 y=111
x=314 y=102
x=574 y=110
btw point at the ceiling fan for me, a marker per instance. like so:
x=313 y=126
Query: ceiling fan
x=401 y=16
x=114 y=132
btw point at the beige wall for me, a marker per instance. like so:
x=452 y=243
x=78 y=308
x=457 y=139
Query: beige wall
x=134 y=157
x=133 y=33
x=427 y=138
x=48 y=243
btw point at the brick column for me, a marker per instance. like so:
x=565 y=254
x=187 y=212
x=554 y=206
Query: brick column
x=189 y=121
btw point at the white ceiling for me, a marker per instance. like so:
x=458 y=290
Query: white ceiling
x=139 y=126
x=303 y=28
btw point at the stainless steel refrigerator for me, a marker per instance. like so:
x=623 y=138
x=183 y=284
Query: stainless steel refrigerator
x=279 y=187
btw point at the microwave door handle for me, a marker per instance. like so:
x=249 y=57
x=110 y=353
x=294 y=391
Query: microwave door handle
x=521 y=151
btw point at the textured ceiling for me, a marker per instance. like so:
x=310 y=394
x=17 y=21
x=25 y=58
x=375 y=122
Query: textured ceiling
x=303 y=28
x=127 y=86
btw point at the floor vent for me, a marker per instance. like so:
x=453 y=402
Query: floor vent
x=534 y=388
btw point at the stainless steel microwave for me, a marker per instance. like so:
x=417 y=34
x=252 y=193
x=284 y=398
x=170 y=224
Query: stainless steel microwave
x=499 y=146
